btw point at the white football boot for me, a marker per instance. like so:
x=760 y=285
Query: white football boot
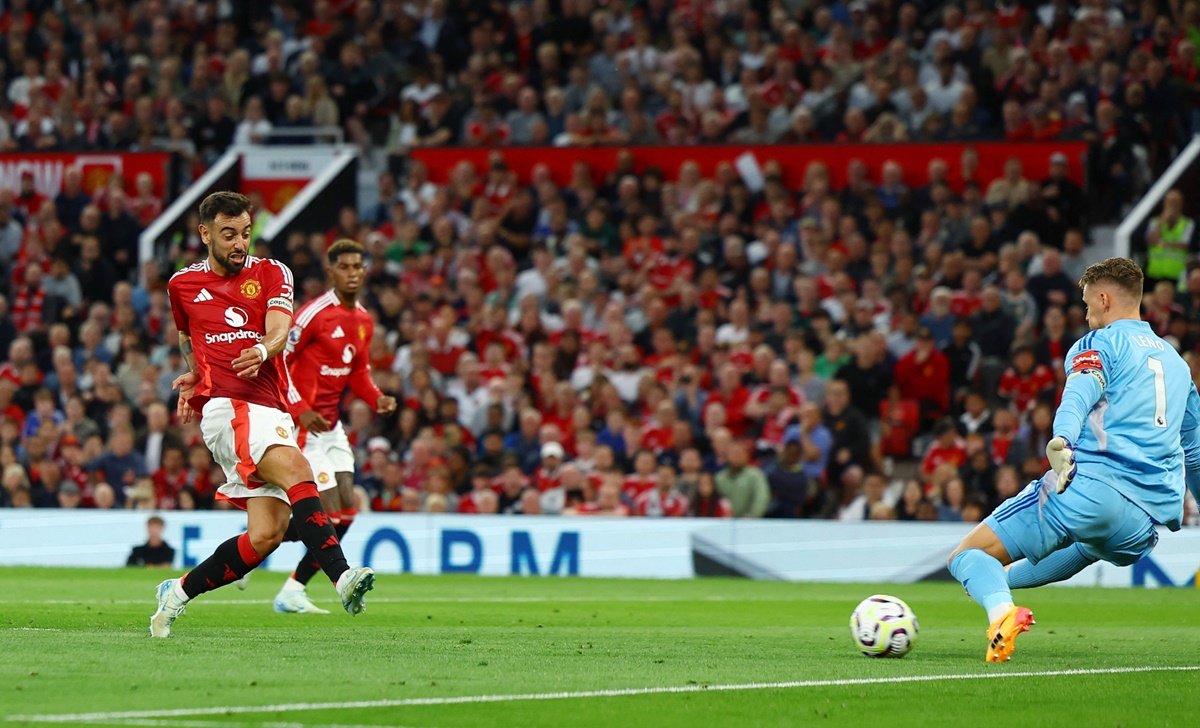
x=170 y=607
x=296 y=601
x=353 y=586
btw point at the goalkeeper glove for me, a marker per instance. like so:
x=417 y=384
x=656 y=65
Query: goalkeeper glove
x=1061 y=455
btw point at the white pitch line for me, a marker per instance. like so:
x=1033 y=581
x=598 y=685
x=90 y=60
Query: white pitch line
x=464 y=699
x=35 y=629
x=149 y=723
x=451 y=600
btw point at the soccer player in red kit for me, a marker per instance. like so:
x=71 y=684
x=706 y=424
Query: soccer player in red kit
x=233 y=312
x=326 y=352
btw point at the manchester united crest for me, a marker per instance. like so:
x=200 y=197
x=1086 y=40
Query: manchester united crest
x=251 y=289
x=281 y=432
x=322 y=478
x=362 y=333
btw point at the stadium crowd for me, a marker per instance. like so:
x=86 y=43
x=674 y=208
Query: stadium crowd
x=653 y=344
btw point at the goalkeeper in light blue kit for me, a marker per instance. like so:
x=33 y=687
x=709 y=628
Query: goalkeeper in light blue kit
x=1125 y=434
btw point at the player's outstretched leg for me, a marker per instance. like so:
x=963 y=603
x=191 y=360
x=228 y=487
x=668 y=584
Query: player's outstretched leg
x=285 y=465
x=233 y=559
x=1058 y=566
x=982 y=575
x=293 y=596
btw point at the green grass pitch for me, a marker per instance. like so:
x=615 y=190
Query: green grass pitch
x=75 y=642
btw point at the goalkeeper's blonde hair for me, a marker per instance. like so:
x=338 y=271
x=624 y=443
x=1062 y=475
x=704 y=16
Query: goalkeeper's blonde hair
x=1121 y=272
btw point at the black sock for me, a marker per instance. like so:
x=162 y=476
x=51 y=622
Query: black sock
x=292 y=533
x=232 y=560
x=316 y=530
x=308 y=566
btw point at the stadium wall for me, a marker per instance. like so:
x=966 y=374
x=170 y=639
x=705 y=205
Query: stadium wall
x=813 y=551
x=794 y=158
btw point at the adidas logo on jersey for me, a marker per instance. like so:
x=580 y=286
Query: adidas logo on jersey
x=338 y=333
x=204 y=295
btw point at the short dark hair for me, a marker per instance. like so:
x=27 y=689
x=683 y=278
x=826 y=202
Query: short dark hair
x=1121 y=272
x=152 y=520
x=343 y=247
x=229 y=204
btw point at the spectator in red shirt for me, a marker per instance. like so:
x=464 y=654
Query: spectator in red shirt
x=28 y=200
x=1003 y=444
x=486 y=129
x=642 y=479
x=923 y=374
x=549 y=475
x=658 y=434
x=733 y=396
x=607 y=503
x=170 y=479
x=1026 y=381
x=663 y=499
x=146 y=206
x=946 y=447
x=481 y=485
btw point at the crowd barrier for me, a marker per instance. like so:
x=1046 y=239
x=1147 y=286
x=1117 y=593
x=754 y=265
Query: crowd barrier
x=813 y=551
x=793 y=158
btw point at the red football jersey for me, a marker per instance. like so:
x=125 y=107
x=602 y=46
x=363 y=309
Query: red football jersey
x=226 y=314
x=936 y=456
x=326 y=351
x=635 y=485
x=656 y=505
x=762 y=393
x=1024 y=389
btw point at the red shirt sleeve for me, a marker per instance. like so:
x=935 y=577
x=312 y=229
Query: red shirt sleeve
x=279 y=287
x=298 y=339
x=175 y=300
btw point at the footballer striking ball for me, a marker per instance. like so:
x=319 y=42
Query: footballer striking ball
x=883 y=626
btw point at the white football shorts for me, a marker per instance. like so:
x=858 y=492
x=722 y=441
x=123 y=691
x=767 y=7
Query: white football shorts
x=328 y=453
x=238 y=434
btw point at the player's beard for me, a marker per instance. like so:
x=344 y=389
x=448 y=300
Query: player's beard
x=229 y=265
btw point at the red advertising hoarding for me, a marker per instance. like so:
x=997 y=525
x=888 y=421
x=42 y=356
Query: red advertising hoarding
x=49 y=169
x=913 y=158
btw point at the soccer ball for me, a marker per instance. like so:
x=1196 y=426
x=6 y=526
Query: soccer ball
x=883 y=626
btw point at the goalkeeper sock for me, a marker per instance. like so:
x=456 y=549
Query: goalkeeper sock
x=983 y=578
x=232 y=560
x=1060 y=565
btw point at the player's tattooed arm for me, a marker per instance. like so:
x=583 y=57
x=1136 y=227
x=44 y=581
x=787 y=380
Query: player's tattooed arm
x=278 y=324
x=185 y=347
x=186 y=382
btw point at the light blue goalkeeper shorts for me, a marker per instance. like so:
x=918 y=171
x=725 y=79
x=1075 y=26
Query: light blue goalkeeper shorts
x=1037 y=522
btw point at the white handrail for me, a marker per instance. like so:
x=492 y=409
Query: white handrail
x=289 y=132
x=1137 y=216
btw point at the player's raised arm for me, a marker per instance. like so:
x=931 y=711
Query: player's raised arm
x=1084 y=388
x=272 y=343
x=278 y=283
